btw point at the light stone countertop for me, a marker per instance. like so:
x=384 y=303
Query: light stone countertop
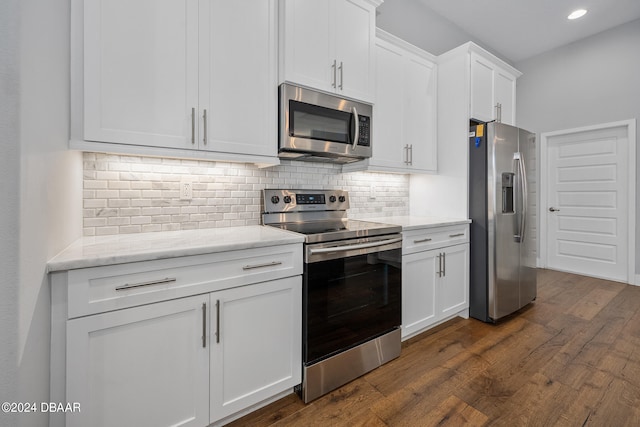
x=118 y=249
x=418 y=222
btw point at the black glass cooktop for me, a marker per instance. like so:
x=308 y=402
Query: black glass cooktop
x=328 y=230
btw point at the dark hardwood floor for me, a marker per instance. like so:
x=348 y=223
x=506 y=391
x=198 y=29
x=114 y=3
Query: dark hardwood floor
x=570 y=359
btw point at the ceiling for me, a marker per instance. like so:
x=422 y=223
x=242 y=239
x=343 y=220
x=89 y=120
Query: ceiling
x=520 y=29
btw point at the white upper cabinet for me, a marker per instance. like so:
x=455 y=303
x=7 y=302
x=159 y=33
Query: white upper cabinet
x=329 y=45
x=238 y=76
x=405 y=109
x=140 y=71
x=176 y=75
x=420 y=113
x=493 y=90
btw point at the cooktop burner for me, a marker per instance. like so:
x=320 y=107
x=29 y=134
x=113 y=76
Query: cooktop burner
x=318 y=214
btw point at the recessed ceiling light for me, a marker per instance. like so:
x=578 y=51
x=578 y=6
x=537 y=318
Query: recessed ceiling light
x=577 y=14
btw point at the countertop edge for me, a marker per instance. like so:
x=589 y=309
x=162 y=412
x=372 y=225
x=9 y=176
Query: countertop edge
x=64 y=262
x=409 y=223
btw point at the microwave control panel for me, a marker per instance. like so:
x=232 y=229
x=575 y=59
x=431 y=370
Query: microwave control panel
x=365 y=131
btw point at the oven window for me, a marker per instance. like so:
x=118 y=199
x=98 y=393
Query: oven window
x=348 y=301
x=315 y=122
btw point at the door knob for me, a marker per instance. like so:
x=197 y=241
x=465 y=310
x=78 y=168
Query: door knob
x=552 y=209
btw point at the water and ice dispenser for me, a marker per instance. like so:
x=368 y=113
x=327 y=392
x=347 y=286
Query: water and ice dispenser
x=507 y=192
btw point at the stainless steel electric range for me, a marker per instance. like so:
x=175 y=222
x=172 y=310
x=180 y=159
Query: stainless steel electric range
x=352 y=282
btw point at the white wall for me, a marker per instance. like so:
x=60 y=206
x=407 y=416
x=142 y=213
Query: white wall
x=46 y=178
x=9 y=206
x=595 y=80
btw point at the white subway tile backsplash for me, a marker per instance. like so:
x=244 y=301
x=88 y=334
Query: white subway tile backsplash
x=131 y=194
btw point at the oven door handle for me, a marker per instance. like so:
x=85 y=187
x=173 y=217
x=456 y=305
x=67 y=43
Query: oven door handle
x=314 y=251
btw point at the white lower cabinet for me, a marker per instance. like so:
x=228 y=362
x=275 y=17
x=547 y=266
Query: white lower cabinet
x=141 y=366
x=418 y=291
x=255 y=344
x=184 y=360
x=435 y=277
x=454 y=280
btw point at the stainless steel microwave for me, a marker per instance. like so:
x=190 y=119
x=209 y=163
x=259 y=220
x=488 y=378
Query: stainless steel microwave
x=322 y=127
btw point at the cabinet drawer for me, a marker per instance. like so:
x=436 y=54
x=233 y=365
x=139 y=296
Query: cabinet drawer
x=100 y=289
x=432 y=238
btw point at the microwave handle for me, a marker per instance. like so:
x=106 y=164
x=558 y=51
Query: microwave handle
x=356 y=121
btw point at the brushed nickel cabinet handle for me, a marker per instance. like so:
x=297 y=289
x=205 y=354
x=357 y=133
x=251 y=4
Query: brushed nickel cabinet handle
x=341 y=68
x=334 y=82
x=204 y=325
x=193 y=126
x=422 y=240
x=204 y=117
x=217 y=321
x=266 y=264
x=439 y=265
x=456 y=235
x=444 y=264
x=142 y=284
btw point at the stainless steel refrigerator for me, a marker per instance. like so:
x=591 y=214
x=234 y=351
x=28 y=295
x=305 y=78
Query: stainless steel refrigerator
x=502 y=206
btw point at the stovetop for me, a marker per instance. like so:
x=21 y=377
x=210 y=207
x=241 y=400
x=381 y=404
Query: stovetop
x=318 y=214
x=326 y=231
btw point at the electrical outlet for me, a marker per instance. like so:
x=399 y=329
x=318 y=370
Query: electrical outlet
x=186 y=190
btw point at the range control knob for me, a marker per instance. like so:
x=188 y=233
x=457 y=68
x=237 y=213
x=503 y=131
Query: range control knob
x=332 y=199
x=287 y=199
x=275 y=199
x=342 y=199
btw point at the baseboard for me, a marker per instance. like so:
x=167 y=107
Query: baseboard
x=637 y=282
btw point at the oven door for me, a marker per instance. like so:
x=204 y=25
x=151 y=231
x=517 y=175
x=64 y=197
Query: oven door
x=351 y=294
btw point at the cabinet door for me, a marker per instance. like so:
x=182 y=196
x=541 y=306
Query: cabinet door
x=482 y=90
x=420 y=113
x=388 y=148
x=454 y=283
x=505 y=87
x=140 y=71
x=238 y=76
x=142 y=366
x=352 y=28
x=418 y=291
x=307 y=44
x=256 y=345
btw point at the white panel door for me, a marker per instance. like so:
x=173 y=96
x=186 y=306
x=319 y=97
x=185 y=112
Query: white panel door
x=482 y=91
x=453 y=286
x=256 y=345
x=141 y=366
x=238 y=76
x=587 y=203
x=353 y=32
x=307 y=44
x=140 y=71
x=505 y=88
x=418 y=291
x=419 y=113
x=388 y=149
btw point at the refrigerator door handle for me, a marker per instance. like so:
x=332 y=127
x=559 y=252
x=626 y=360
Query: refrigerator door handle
x=523 y=184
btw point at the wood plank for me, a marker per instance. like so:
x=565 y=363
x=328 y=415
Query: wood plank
x=591 y=304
